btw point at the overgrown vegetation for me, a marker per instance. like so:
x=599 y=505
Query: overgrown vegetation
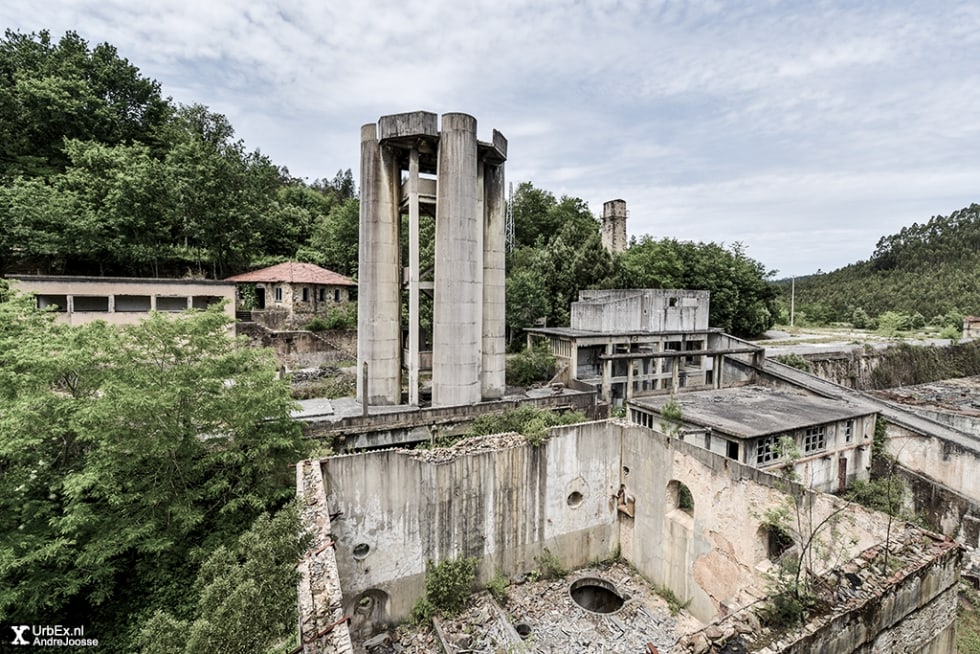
x=968 y=620
x=497 y=587
x=131 y=457
x=549 y=566
x=245 y=595
x=816 y=539
x=532 y=422
x=671 y=417
x=342 y=317
x=905 y=365
x=448 y=585
x=673 y=602
x=797 y=361
x=531 y=365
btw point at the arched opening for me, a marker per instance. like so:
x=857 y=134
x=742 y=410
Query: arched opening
x=679 y=496
x=368 y=613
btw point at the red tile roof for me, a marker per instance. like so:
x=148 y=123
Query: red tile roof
x=294 y=273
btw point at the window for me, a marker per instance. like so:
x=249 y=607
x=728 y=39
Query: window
x=323 y=294
x=336 y=295
x=732 y=450
x=306 y=294
x=849 y=431
x=767 y=449
x=815 y=439
x=278 y=293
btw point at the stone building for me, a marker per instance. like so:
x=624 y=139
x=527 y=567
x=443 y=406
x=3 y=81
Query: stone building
x=289 y=295
x=122 y=300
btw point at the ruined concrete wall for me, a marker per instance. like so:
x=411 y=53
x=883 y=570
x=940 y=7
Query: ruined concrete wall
x=950 y=464
x=916 y=615
x=322 y=626
x=714 y=558
x=303 y=349
x=943 y=509
x=900 y=365
x=502 y=507
x=861 y=609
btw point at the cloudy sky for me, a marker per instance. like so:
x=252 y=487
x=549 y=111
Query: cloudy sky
x=804 y=130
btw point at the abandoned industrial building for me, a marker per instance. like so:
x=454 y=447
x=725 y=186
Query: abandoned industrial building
x=121 y=300
x=681 y=494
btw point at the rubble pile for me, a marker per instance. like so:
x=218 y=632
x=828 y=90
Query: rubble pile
x=540 y=616
x=467 y=446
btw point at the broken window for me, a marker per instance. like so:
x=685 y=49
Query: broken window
x=278 y=293
x=815 y=439
x=849 y=431
x=306 y=294
x=767 y=449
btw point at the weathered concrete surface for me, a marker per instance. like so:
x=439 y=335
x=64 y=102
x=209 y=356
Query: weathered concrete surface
x=322 y=623
x=494 y=361
x=379 y=275
x=614 y=225
x=652 y=310
x=911 y=608
x=457 y=314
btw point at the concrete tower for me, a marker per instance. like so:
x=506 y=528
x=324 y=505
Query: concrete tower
x=614 y=225
x=410 y=168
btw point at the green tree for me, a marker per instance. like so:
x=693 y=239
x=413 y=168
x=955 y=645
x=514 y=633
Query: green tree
x=51 y=92
x=128 y=456
x=246 y=595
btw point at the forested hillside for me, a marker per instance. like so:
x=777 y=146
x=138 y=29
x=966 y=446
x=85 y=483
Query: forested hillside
x=928 y=272
x=102 y=175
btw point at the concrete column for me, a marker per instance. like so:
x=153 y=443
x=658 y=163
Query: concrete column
x=629 y=380
x=457 y=324
x=607 y=375
x=413 y=277
x=379 y=276
x=494 y=310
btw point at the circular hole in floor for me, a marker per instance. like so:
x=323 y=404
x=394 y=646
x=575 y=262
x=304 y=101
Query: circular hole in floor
x=575 y=498
x=523 y=630
x=361 y=550
x=596 y=595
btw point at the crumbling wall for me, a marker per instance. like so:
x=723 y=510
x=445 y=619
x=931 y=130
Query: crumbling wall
x=716 y=556
x=951 y=464
x=899 y=365
x=503 y=506
x=860 y=609
x=323 y=626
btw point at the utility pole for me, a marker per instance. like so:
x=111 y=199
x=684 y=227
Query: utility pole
x=792 y=301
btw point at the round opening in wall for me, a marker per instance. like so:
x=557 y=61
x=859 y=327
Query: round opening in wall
x=626 y=471
x=523 y=630
x=361 y=550
x=596 y=595
x=575 y=499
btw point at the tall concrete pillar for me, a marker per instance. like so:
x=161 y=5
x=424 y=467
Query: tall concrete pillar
x=379 y=276
x=457 y=322
x=494 y=316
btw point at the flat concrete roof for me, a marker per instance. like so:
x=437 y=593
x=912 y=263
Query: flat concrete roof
x=568 y=332
x=753 y=411
x=954 y=396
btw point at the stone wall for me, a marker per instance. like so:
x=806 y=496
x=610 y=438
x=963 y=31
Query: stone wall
x=303 y=349
x=911 y=610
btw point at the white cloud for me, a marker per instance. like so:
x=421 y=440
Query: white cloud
x=803 y=130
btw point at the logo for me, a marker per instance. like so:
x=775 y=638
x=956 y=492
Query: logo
x=19 y=634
